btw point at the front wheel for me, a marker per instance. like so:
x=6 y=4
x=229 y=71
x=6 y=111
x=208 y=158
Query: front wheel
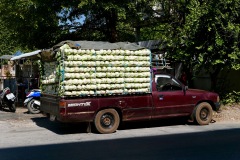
x=203 y=113
x=12 y=107
x=32 y=107
x=107 y=121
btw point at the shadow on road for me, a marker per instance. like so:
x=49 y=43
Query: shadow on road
x=76 y=128
x=213 y=145
x=154 y=123
x=61 y=128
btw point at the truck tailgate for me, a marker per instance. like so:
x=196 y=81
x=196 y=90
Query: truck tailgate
x=50 y=104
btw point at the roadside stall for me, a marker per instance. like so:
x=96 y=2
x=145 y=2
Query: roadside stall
x=27 y=73
x=7 y=73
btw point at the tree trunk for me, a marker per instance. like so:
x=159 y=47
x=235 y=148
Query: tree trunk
x=137 y=34
x=111 y=22
x=214 y=78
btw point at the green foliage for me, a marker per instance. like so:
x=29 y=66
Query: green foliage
x=6 y=43
x=209 y=36
x=115 y=20
x=202 y=33
x=39 y=24
x=231 y=98
x=205 y=34
x=32 y=24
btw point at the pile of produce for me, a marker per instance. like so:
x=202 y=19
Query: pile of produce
x=93 y=72
x=49 y=77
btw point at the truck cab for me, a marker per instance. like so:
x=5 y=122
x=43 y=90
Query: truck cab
x=172 y=98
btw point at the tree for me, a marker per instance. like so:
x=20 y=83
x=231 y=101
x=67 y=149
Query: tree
x=6 y=45
x=207 y=36
x=42 y=23
x=33 y=24
x=110 y=20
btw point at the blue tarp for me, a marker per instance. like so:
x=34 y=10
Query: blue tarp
x=18 y=53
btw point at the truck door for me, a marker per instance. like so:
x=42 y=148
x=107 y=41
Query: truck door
x=169 y=98
x=138 y=107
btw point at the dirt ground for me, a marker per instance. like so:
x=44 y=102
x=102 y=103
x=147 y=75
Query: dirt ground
x=228 y=113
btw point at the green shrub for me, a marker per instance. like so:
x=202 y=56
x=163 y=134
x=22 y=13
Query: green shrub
x=231 y=98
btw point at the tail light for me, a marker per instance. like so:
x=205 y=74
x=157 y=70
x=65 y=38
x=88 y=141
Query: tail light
x=8 y=91
x=62 y=107
x=28 y=94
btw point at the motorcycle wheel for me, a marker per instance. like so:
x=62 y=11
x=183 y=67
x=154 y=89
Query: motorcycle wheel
x=32 y=107
x=12 y=107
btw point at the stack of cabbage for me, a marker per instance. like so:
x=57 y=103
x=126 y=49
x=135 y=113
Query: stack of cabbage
x=86 y=72
x=49 y=82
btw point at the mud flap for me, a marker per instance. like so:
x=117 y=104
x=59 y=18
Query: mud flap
x=52 y=117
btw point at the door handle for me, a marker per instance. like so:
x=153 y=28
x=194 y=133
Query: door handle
x=160 y=97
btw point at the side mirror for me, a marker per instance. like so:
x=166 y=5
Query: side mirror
x=185 y=89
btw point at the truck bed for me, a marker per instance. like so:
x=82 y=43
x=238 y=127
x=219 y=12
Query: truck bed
x=129 y=107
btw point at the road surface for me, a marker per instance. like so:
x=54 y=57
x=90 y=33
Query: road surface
x=34 y=137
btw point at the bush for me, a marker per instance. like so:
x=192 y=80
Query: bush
x=231 y=98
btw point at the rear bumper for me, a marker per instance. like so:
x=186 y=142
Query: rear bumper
x=49 y=104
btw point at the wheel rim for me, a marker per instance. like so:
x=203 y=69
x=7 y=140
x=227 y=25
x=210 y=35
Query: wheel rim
x=33 y=106
x=204 y=114
x=107 y=120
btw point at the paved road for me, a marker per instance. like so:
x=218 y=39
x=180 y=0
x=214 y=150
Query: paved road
x=34 y=137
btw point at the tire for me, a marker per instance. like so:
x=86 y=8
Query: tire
x=107 y=121
x=12 y=107
x=32 y=108
x=203 y=113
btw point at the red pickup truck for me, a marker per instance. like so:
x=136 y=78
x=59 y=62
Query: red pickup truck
x=168 y=98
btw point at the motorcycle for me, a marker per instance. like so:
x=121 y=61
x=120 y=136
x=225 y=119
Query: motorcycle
x=7 y=99
x=32 y=101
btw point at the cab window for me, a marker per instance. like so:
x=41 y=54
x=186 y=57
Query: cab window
x=166 y=83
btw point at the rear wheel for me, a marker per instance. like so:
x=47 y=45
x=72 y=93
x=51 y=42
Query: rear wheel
x=12 y=107
x=32 y=107
x=203 y=113
x=107 y=121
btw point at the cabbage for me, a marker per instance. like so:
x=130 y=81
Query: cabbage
x=97 y=72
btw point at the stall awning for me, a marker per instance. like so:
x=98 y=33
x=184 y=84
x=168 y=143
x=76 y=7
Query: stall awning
x=30 y=55
x=7 y=57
